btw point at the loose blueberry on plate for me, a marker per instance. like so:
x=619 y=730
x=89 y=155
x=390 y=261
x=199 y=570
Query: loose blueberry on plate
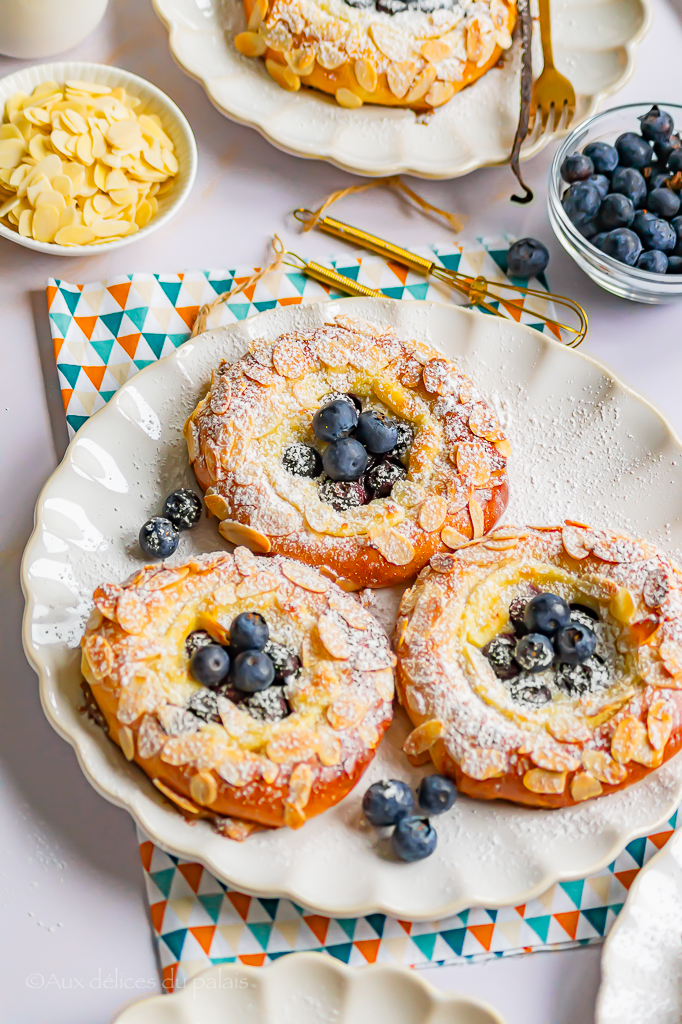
x=617 y=211
x=210 y=665
x=301 y=459
x=287 y=664
x=252 y=671
x=534 y=652
x=267 y=705
x=575 y=643
x=343 y=494
x=335 y=420
x=664 y=150
x=500 y=654
x=404 y=442
x=654 y=261
x=601 y=182
x=376 y=432
x=248 y=632
x=674 y=265
x=654 y=232
x=576 y=168
x=581 y=203
x=623 y=245
x=386 y=802
x=204 y=705
x=183 y=508
x=413 y=839
x=546 y=613
x=436 y=794
x=527 y=257
x=158 y=538
x=345 y=459
x=604 y=157
x=629 y=182
x=198 y=638
x=657 y=125
x=382 y=478
x=664 y=202
x=634 y=151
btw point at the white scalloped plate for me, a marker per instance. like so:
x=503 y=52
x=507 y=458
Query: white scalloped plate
x=594 y=45
x=585 y=447
x=642 y=961
x=308 y=988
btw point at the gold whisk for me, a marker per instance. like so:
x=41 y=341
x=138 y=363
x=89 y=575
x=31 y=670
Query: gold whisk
x=476 y=289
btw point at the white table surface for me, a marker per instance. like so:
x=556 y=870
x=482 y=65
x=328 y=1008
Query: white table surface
x=75 y=943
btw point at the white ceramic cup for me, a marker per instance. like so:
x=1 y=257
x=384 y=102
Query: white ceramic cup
x=41 y=28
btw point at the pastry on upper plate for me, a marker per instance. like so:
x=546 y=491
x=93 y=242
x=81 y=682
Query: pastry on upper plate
x=409 y=53
x=544 y=666
x=431 y=470
x=290 y=728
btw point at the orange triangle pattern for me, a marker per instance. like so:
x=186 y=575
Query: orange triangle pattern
x=252 y=959
x=241 y=903
x=120 y=292
x=95 y=374
x=407 y=925
x=128 y=343
x=157 y=910
x=192 y=873
x=168 y=976
x=369 y=949
x=399 y=271
x=188 y=314
x=626 y=878
x=661 y=838
x=318 y=926
x=146 y=853
x=569 y=921
x=51 y=292
x=66 y=397
x=521 y=909
x=204 y=935
x=87 y=324
x=484 y=934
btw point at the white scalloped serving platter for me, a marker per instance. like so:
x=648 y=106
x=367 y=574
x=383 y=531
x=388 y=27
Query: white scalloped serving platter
x=585 y=447
x=594 y=45
x=309 y=988
x=642 y=961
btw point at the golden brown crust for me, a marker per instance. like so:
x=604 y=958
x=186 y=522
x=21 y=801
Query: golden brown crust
x=233 y=765
x=573 y=748
x=456 y=485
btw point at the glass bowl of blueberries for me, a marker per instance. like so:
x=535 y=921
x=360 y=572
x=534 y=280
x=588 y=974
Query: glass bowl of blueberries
x=615 y=200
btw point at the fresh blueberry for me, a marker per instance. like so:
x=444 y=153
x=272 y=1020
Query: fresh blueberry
x=588 y=677
x=575 y=643
x=675 y=161
x=345 y=396
x=252 y=671
x=664 y=150
x=583 y=613
x=517 y=609
x=674 y=265
x=598 y=239
x=617 y=211
x=183 y=508
x=343 y=494
x=382 y=477
x=623 y=245
x=500 y=654
x=576 y=168
x=654 y=232
x=436 y=794
x=657 y=180
x=266 y=705
x=581 y=203
x=664 y=202
x=335 y=420
x=657 y=125
x=376 y=432
x=534 y=652
x=676 y=223
x=248 y=632
x=301 y=459
x=287 y=664
x=413 y=839
x=404 y=442
x=195 y=640
x=603 y=157
x=209 y=665
x=204 y=704
x=634 y=151
x=536 y=695
x=527 y=257
x=386 y=802
x=158 y=538
x=601 y=182
x=629 y=182
x=655 y=261
x=345 y=459
x=546 y=613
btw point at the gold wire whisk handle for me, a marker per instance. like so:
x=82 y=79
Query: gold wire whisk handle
x=351 y=234
x=331 y=277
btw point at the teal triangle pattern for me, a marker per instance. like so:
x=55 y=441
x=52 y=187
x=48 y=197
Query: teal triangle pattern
x=597 y=917
x=155 y=342
x=574 y=890
x=425 y=943
x=71 y=298
x=175 y=941
x=71 y=371
x=62 y=322
x=455 y=939
x=138 y=316
x=270 y=906
x=171 y=290
x=76 y=422
x=341 y=952
x=112 y=322
x=163 y=880
x=377 y=922
x=240 y=310
x=540 y=925
x=261 y=932
x=212 y=904
x=348 y=925
x=103 y=348
x=637 y=849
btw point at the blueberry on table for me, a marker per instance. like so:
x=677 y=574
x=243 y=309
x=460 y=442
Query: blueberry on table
x=674 y=265
x=500 y=654
x=436 y=794
x=604 y=157
x=664 y=202
x=158 y=538
x=301 y=459
x=546 y=613
x=287 y=664
x=209 y=665
x=575 y=643
x=198 y=638
x=664 y=150
x=381 y=479
x=386 y=802
x=343 y=494
x=576 y=168
x=634 y=151
x=617 y=211
x=602 y=183
x=527 y=258
x=252 y=671
x=655 y=233
x=376 y=432
x=248 y=632
x=335 y=420
x=657 y=125
x=413 y=839
x=622 y=245
x=629 y=182
x=183 y=508
x=534 y=652
x=345 y=459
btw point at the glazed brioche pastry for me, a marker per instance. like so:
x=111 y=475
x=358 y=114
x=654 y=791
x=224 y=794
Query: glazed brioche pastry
x=407 y=53
x=544 y=666
x=271 y=756
x=260 y=444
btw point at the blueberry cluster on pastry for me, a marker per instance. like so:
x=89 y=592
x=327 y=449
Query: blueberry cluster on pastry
x=350 y=449
x=412 y=53
x=544 y=666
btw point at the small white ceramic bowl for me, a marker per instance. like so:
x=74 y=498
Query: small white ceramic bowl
x=154 y=101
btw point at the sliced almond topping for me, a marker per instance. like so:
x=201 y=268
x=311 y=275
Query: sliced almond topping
x=473 y=463
x=477 y=518
x=453 y=539
x=671 y=653
x=395 y=548
x=504 y=448
x=126 y=739
x=420 y=86
x=483 y=423
x=346 y=713
x=182 y=802
x=659 y=724
x=539 y=780
x=585 y=787
x=436 y=50
x=424 y=736
x=328 y=747
x=354 y=614
x=576 y=542
x=656 y=588
x=131 y=612
x=167 y=578
x=203 y=788
x=237 y=830
x=615 y=547
x=221 y=394
x=225 y=595
x=251 y=44
x=306 y=577
x=569 y=729
x=551 y=758
x=301 y=61
x=291 y=358
x=269 y=770
x=399 y=77
x=432 y=513
x=629 y=735
x=100 y=655
x=106 y=598
x=237 y=533
x=366 y=75
x=259 y=583
x=292 y=745
x=438 y=375
x=300 y=787
x=259 y=9
x=622 y=606
x=150 y=737
x=213 y=627
x=333 y=636
x=483 y=763
x=440 y=93
x=284 y=77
